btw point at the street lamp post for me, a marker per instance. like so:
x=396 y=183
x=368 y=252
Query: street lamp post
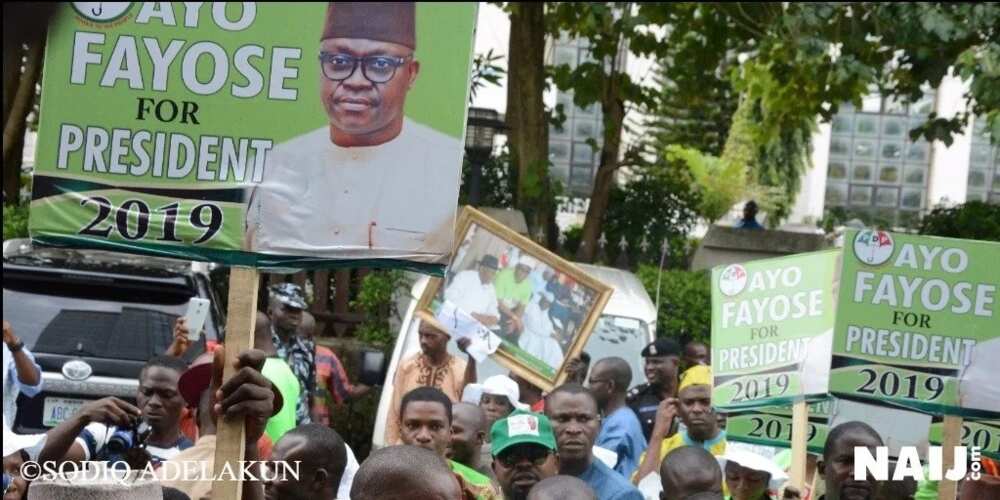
x=483 y=126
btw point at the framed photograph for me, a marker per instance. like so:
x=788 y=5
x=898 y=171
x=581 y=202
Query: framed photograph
x=533 y=309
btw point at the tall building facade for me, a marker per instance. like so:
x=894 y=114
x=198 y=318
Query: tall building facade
x=865 y=165
x=574 y=159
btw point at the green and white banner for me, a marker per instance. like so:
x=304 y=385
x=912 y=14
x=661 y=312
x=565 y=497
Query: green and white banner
x=772 y=426
x=772 y=329
x=255 y=133
x=918 y=323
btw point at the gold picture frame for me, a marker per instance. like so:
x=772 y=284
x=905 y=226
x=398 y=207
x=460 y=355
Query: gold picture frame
x=580 y=300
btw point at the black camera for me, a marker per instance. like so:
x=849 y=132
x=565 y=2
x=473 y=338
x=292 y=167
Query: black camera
x=125 y=439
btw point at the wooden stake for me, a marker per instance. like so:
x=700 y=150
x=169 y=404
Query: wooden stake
x=800 y=431
x=230 y=442
x=952 y=438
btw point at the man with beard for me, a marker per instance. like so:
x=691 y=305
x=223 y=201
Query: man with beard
x=285 y=307
x=380 y=180
x=425 y=421
x=694 y=406
x=468 y=436
x=573 y=412
x=524 y=453
x=837 y=465
x=660 y=361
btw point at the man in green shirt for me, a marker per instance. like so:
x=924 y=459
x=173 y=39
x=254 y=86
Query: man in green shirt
x=425 y=421
x=280 y=374
x=513 y=290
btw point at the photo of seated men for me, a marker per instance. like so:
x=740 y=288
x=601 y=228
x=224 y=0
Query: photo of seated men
x=533 y=308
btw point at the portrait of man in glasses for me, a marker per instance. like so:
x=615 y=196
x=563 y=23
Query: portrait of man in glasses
x=370 y=183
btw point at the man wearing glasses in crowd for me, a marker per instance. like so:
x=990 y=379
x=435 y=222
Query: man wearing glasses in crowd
x=524 y=453
x=368 y=183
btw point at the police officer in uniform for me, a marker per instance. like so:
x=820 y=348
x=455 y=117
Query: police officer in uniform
x=660 y=361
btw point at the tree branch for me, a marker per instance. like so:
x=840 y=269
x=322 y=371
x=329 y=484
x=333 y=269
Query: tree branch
x=23 y=99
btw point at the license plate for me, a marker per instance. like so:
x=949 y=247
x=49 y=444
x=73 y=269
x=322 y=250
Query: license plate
x=56 y=410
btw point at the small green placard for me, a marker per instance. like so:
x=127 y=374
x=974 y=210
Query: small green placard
x=772 y=326
x=918 y=324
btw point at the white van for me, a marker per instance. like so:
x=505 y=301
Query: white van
x=627 y=324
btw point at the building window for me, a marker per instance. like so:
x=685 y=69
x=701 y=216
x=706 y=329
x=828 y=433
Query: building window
x=558 y=151
x=565 y=55
x=876 y=172
x=984 y=166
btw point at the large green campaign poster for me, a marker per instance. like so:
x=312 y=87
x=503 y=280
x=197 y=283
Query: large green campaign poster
x=772 y=329
x=918 y=323
x=265 y=134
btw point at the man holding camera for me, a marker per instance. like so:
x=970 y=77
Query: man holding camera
x=107 y=428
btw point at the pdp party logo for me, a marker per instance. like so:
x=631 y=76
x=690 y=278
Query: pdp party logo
x=733 y=280
x=873 y=247
x=101 y=13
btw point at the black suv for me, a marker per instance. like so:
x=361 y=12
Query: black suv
x=92 y=318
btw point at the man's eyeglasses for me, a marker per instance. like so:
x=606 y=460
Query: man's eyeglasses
x=377 y=69
x=534 y=454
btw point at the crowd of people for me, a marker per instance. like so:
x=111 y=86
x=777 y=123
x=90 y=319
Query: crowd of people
x=596 y=436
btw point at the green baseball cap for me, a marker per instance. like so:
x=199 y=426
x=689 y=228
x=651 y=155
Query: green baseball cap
x=521 y=427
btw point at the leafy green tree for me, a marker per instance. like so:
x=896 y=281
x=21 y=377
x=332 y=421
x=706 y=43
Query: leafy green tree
x=375 y=300
x=657 y=205
x=495 y=183
x=695 y=99
x=612 y=30
x=974 y=220
x=485 y=71
x=685 y=302
x=15 y=221
x=805 y=59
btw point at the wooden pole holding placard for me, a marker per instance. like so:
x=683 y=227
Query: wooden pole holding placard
x=947 y=490
x=800 y=431
x=230 y=443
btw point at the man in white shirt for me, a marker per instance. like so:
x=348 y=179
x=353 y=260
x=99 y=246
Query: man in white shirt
x=372 y=183
x=473 y=292
x=89 y=434
x=21 y=374
x=537 y=337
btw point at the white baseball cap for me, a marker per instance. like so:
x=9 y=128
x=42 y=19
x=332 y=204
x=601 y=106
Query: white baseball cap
x=527 y=260
x=497 y=385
